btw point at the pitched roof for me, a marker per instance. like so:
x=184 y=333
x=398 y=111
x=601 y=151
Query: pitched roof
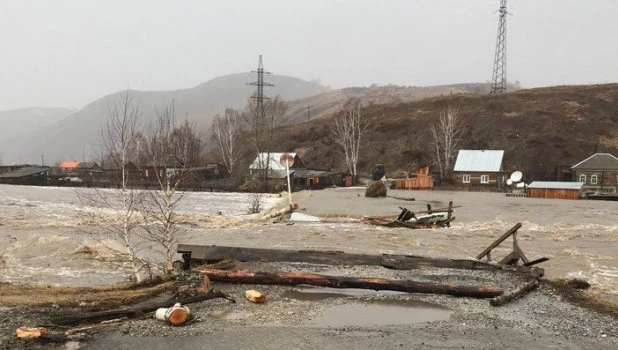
x=87 y=165
x=556 y=185
x=273 y=163
x=306 y=173
x=23 y=172
x=69 y=164
x=479 y=160
x=598 y=161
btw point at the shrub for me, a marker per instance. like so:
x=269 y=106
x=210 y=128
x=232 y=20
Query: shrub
x=376 y=189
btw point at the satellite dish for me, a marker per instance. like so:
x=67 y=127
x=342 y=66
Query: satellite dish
x=509 y=182
x=521 y=185
x=516 y=176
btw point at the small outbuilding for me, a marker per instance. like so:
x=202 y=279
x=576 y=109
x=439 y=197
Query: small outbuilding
x=555 y=189
x=415 y=180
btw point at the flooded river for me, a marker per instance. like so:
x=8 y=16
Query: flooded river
x=42 y=231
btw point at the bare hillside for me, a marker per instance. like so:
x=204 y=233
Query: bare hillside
x=539 y=129
x=323 y=105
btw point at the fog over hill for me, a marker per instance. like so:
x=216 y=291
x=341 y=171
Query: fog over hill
x=78 y=135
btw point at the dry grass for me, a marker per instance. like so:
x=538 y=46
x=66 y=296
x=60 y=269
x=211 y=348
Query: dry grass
x=573 y=290
x=29 y=295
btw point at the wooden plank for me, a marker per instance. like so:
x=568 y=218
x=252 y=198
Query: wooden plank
x=215 y=253
x=204 y=253
x=500 y=240
x=537 y=261
x=296 y=278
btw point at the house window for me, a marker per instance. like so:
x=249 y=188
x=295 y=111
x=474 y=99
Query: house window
x=466 y=178
x=484 y=179
x=594 y=179
x=582 y=178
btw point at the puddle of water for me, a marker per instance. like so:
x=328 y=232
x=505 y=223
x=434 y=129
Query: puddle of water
x=367 y=312
x=319 y=294
x=380 y=313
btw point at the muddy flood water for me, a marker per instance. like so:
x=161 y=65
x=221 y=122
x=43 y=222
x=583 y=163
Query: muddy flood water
x=43 y=231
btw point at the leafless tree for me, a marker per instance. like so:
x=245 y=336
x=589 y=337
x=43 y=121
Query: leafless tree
x=262 y=122
x=173 y=150
x=118 y=135
x=446 y=139
x=348 y=130
x=227 y=134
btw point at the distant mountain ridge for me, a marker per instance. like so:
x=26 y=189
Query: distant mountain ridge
x=77 y=136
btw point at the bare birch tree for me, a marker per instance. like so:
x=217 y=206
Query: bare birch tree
x=446 y=139
x=118 y=136
x=173 y=150
x=348 y=130
x=262 y=122
x=227 y=134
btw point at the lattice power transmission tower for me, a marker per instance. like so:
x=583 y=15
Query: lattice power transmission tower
x=498 y=79
x=260 y=83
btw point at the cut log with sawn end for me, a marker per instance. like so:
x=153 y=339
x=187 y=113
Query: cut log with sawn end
x=133 y=311
x=299 y=278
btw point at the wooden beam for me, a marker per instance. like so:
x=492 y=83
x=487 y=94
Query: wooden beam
x=499 y=240
x=296 y=278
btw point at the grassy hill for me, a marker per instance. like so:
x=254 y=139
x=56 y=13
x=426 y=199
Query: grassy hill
x=538 y=128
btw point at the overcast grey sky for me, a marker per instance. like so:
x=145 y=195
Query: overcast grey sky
x=66 y=53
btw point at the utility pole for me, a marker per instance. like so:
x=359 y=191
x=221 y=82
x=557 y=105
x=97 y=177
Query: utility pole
x=260 y=83
x=308 y=113
x=261 y=117
x=498 y=79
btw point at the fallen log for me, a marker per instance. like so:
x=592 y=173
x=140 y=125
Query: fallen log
x=519 y=291
x=296 y=278
x=204 y=253
x=133 y=311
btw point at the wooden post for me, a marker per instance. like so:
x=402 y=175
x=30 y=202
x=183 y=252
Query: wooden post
x=499 y=240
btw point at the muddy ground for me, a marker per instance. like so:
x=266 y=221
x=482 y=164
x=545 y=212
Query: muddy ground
x=579 y=237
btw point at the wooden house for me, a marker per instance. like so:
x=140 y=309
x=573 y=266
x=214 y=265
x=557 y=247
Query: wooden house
x=554 y=189
x=598 y=172
x=315 y=179
x=88 y=171
x=271 y=162
x=479 y=168
x=33 y=175
x=67 y=168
